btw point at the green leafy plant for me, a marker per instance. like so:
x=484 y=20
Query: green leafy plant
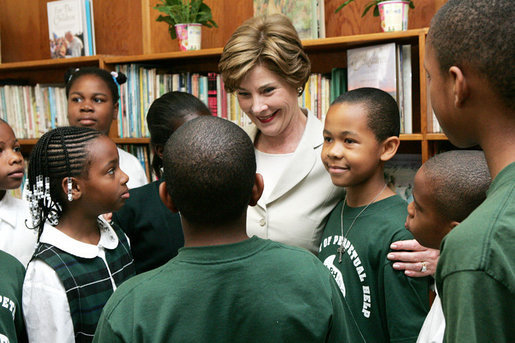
x=184 y=12
x=373 y=3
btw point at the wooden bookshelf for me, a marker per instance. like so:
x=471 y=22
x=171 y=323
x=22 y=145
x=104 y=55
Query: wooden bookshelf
x=126 y=32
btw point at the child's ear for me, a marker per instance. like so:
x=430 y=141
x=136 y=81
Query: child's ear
x=166 y=198
x=76 y=188
x=115 y=111
x=453 y=225
x=158 y=149
x=389 y=148
x=257 y=189
x=460 y=86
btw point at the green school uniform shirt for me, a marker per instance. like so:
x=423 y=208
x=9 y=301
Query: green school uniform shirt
x=252 y=291
x=12 y=272
x=387 y=305
x=476 y=271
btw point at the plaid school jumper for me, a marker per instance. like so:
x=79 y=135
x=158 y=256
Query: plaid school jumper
x=87 y=281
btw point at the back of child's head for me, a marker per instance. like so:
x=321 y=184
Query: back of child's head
x=478 y=34
x=111 y=79
x=383 y=113
x=459 y=181
x=59 y=153
x=166 y=114
x=209 y=169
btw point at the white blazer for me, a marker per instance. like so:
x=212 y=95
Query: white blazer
x=296 y=211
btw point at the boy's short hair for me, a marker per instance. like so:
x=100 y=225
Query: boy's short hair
x=459 y=181
x=478 y=33
x=209 y=169
x=383 y=112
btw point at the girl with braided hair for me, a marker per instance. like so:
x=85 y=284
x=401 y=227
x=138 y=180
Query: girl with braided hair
x=73 y=177
x=93 y=102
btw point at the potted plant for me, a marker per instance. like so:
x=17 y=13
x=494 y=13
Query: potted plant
x=393 y=13
x=185 y=19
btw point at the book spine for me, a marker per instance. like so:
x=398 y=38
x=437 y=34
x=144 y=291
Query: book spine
x=212 y=94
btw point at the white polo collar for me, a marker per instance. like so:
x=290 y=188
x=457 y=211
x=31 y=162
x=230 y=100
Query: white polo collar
x=108 y=240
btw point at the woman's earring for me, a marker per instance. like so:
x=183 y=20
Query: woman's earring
x=299 y=90
x=70 y=195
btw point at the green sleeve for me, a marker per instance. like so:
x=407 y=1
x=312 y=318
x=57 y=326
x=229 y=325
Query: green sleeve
x=343 y=327
x=104 y=332
x=406 y=304
x=477 y=308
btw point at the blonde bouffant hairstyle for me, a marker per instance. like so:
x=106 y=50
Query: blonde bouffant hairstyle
x=271 y=41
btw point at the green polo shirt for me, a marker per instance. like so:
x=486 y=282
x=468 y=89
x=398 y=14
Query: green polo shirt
x=476 y=272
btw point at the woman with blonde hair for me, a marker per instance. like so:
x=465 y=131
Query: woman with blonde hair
x=265 y=64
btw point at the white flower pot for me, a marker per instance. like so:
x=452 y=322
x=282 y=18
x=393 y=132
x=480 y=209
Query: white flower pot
x=394 y=15
x=189 y=36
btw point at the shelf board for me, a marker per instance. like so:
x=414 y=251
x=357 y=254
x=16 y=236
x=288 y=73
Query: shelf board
x=203 y=53
x=411 y=137
x=28 y=141
x=354 y=40
x=57 y=63
x=436 y=137
x=143 y=140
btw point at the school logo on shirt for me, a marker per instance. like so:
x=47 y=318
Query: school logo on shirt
x=337 y=274
x=352 y=255
x=3 y=339
x=8 y=304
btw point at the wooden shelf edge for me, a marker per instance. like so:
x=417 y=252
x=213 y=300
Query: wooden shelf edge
x=411 y=137
x=143 y=140
x=362 y=38
x=51 y=63
x=203 y=53
x=436 y=137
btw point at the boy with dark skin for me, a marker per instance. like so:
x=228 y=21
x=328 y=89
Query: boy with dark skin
x=224 y=286
x=447 y=188
x=469 y=62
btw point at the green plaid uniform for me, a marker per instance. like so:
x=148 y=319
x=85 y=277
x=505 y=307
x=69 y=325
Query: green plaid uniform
x=87 y=281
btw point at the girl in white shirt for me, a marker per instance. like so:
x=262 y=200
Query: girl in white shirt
x=15 y=238
x=93 y=102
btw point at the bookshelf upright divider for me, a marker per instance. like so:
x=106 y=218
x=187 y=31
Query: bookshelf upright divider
x=325 y=54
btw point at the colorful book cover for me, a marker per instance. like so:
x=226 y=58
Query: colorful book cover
x=373 y=66
x=66 y=28
x=302 y=13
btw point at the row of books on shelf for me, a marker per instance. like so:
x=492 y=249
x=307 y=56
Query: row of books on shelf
x=33 y=110
x=145 y=84
x=144 y=155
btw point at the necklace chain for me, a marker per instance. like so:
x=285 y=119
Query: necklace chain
x=341 y=249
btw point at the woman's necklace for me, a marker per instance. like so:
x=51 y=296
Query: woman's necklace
x=341 y=249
